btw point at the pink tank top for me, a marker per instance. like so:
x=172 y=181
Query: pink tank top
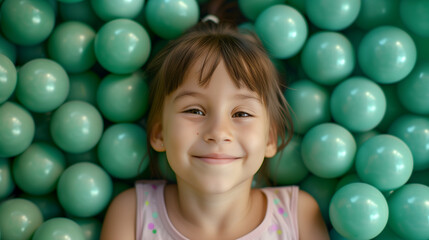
x=280 y=222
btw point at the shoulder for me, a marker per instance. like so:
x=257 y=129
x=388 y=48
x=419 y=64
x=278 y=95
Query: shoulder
x=310 y=221
x=119 y=221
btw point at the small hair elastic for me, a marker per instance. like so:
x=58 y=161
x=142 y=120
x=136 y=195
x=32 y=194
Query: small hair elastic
x=212 y=18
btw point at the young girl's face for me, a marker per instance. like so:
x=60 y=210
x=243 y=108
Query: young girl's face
x=215 y=136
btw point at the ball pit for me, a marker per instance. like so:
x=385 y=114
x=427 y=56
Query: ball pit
x=74 y=100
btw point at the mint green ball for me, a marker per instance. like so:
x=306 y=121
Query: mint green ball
x=84 y=189
x=76 y=127
x=7 y=48
x=394 y=108
x=19 y=219
x=8 y=78
x=36 y=171
x=59 y=228
x=80 y=11
x=387 y=54
x=123 y=98
x=287 y=166
x=17 y=129
x=48 y=204
x=282 y=30
x=91 y=227
x=358 y=211
x=252 y=8
x=109 y=10
x=332 y=15
x=385 y=162
x=43 y=85
x=171 y=18
x=71 y=44
x=328 y=150
x=7 y=184
x=122 y=150
x=358 y=104
x=409 y=211
x=377 y=13
x=122 y=46
x=310 y=104
x=414 y=16
x=328 y=58
x=27 y=22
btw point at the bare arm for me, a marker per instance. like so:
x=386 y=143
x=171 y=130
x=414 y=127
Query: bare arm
x=120 y=219
x=311 y=223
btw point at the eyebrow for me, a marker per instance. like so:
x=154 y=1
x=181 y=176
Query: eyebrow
x=240 y=96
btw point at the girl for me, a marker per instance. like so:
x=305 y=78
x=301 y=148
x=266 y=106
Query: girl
x=217 y=111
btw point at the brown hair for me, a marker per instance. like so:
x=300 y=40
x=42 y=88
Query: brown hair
x=246 y=61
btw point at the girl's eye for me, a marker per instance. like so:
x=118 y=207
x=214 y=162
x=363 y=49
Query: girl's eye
x=195 y=111
x=241 y=114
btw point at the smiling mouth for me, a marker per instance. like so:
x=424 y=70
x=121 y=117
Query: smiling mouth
x=217 y=158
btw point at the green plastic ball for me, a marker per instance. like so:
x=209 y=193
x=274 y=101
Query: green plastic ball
x=7 y=48
x=409 y=211
x=322 y=189
x=27 y=22
x=16 y=129
x=387 y=54
x=7 y=184
x=122 y=46
x=414 y=16
x=332 y=15
x=328 y=150
x=171 y=18
x=385 y=162
x=91 y=227
x=36 y=171
x=109 y=10
x=328 y=58
x=287 y=167
x=8 y=78
x=43 y=85
x=413 y=90
x=358 y=211
x=358 y=104
x=122 y=150
x=414 y=131
x=48 y=205
x=59 y=228
x=76 y=126
x=83 y=87
x=310 y=104
x=84 y=189
x=252 y=8
x=123 y=98
x=376 y=13
x=71 y=44
x=282 y=30
x=19 y=218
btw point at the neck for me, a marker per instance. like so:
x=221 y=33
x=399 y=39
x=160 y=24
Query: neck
x=216 y=213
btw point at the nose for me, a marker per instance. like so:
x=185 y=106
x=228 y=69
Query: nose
x=218 y=130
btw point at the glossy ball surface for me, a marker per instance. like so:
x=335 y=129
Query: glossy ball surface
x=414 y=16
x=59 y=228
x=413 y=90
x=385 y=162
x=358 y=104
x=387 y=54
x=8 y=78
x=43 y=85
x=109 y=10
x=122 y=46
x=282 y=30
x=84 y=190
x=328 y=58
x=76 y=127
x=358 y=206
x=17 y=129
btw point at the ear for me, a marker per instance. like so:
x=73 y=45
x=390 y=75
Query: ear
x=271 y=148
x=156 y=138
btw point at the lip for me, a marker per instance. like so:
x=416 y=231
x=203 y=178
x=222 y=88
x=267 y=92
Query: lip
x=215 y=158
